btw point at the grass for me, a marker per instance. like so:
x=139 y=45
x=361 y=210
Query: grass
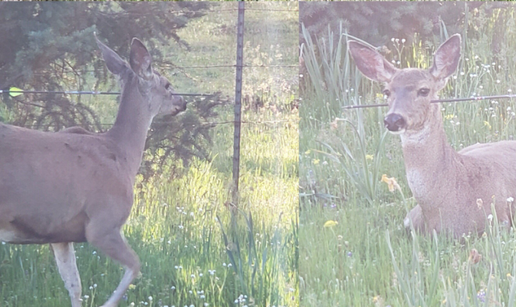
x=367 y=258
x=178 y=229
x=196 y=248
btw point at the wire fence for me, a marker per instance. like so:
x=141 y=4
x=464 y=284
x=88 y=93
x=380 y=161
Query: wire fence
x=192 y=67
x=242 y=102
x=210 y=66
x=118 y=93
x=17 y=92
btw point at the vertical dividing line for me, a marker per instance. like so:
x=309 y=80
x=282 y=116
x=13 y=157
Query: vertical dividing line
x=238 y=100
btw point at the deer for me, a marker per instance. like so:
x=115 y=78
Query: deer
x=455 y=191
x=76 y=186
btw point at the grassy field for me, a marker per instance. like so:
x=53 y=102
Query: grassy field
x=354 y=250
x=175 y=231
x=196 y=249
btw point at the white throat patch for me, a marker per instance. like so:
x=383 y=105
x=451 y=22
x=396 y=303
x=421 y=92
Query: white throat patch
x=415 y=138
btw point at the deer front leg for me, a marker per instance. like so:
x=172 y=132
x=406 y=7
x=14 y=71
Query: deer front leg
x=415 y=217
x=112 y=243
x=65 y=259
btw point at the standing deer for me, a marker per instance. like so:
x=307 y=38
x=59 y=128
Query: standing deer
x=77 y=186
x=454 y=190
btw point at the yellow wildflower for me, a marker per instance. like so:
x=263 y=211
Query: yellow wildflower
x=391 y=183
x=378 y=301
x=369 y=157
x=330 y=223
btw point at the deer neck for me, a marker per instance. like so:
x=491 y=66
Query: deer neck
x=429 y=161
x=132 y=123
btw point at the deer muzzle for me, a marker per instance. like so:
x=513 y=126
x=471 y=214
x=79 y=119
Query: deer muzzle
x=394 y=122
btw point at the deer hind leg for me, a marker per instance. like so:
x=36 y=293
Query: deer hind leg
x=65 y=259
x=112 y=243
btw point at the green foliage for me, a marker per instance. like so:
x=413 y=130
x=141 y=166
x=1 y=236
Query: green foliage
x=258 y=262
x=173 y=227
x=169 y=140
x=368 y=258
x=345 y=142
x=51 y=46
x=370 y=22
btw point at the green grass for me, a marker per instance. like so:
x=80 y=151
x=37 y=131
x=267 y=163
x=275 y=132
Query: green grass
x=368 y=258
x=207 y=66
x=196 y=249
x=174 y=230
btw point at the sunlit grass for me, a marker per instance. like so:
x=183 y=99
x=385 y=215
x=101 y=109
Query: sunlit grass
x=174 y=230
x=367 y=258
x=179 y=220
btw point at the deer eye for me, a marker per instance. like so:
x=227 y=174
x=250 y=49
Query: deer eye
x=423 y=92
x=386 y=92
x=167 y=86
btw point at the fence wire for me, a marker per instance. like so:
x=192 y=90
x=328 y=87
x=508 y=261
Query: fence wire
x=225 y=65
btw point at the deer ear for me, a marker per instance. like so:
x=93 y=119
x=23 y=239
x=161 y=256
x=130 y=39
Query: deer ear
x=446 y=58
x=140 y=59
x=371 y=63
x=114 y=62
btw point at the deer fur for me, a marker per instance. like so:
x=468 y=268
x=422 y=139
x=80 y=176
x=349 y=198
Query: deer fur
x=77 y=186
x=454 y=190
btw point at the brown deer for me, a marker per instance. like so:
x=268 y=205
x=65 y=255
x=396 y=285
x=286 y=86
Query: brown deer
x=77 y=186
x=454 y=190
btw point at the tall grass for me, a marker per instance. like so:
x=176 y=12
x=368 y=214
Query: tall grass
x=344 y=140
x=368 y=258
x=195 y=249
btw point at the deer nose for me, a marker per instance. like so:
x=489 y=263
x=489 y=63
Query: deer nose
x=394 y=122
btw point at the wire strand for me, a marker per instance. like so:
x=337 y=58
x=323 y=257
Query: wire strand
x=478 y=98
x=86 y=93
x=268 y=122
x=262 y=10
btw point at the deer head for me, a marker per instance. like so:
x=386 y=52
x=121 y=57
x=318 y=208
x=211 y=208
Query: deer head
x=155 y=89
x=408 y=91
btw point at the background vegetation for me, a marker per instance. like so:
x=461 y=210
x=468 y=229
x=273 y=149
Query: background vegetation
x=51 y=47
x=196 y=248
x=353 y=248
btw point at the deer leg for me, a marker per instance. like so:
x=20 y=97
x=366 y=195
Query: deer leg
x=65 y=259
x=112 y=243
x=415 y=217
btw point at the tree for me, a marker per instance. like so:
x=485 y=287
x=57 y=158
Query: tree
x=50 y=46
x=378 y=22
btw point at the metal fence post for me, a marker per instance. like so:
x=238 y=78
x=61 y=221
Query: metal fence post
x=238 y=100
